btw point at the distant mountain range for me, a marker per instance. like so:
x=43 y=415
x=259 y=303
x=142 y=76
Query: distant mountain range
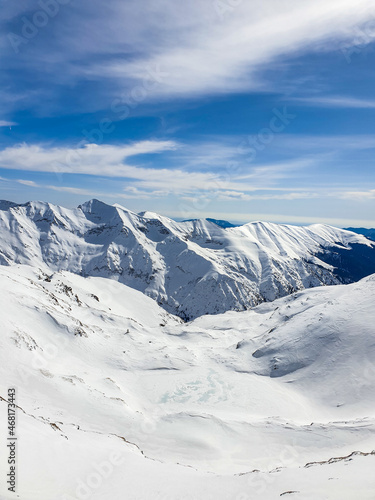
x=218 y=222
x=190 y=268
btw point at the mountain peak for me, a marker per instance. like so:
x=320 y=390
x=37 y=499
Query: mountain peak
x=190 y=268
x=96 y=210
x=92 y=205
x=5 y=204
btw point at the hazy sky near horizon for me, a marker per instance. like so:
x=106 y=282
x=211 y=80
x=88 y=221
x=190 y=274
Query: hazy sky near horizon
x=233 y=109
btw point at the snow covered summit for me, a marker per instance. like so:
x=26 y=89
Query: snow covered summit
x=190 y=268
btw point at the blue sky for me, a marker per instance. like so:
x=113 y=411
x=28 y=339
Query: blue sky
x=239 y=110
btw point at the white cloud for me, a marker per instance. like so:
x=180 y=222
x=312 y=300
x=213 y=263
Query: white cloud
x=336 y=102
x=194 y=46
x=205 y=52
x=241 y=217
x=272 y=181
x=5 y=123
x=135 y=193
x=358 y=195
x=66 y=189
x=238 y=196
x=73 y=190
x=132 y=192
x=91 y=159
x=27 y=183
x=110 y=161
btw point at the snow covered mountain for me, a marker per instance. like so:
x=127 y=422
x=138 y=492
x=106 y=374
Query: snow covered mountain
x=114 y=402
x=369 y=233
x=190 y=268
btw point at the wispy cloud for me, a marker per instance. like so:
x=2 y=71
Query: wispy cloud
x=72 y=189
x=191 y=48
x=91 y=159
x=358 y=195
x=113 y=161
x=336 y=102
x=25 y=182
x=238 y=196
x=213 y=54
x=5 y=123
x=323 y=144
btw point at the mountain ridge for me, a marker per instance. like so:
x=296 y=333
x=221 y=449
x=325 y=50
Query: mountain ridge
x=368 y=233
x=190 y=268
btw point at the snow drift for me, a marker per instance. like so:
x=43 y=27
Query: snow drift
x=112 y=389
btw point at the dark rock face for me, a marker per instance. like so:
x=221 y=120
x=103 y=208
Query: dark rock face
x=351 y=264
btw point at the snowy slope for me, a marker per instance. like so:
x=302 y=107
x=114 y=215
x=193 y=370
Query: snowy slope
x=190 y=268
x=195 y=408
x=369 y=233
